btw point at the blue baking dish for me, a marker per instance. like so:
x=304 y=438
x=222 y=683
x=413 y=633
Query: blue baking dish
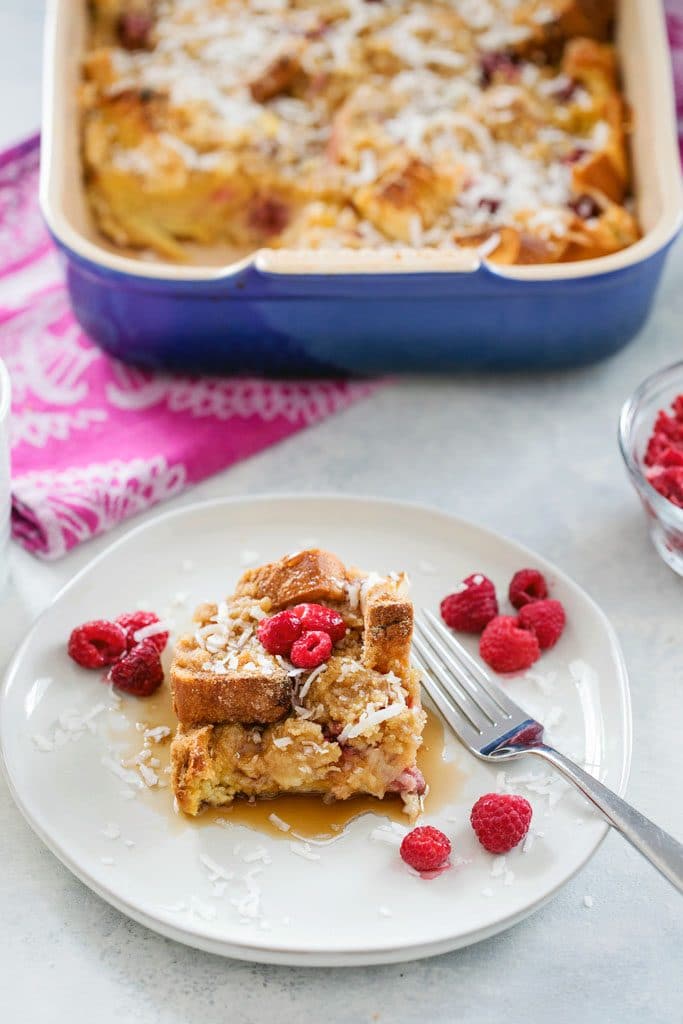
x=337 y=312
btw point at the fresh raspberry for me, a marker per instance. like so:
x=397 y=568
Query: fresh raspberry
x=425 y=848
x=411 y=780
x=565 y=94
x=489 y=204
x=656 y=446
x=500 y=820
x=317 y=616
x=472 y=606
x=311 y=649
x=278 y=633
x=544 y=618
x=671 y=458
x=506 y=647
x=97 y=643
x=269 y=215
x=669 y=483
x=664 y=453
x=134 y=30
x=669 y=427
x=131 y=622
x=526 y=586
x=495 y=64
x=584 y=206
x=139 y=671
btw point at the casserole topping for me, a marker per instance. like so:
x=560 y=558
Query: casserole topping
x=292 y=123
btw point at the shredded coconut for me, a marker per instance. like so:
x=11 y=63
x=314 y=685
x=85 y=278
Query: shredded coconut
x=282 y=741
x=157 y=734
x=304 y=850
x=311 y=679
x=153 y=629
x=149 y=775
x=368 y=720
x=42 y=743
x=215 y=871
x=260 y=854
x=283 y=826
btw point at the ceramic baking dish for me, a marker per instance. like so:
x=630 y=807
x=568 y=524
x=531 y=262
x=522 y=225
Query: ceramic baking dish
x=281 y=312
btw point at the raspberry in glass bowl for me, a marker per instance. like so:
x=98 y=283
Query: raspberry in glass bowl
x=651 y=442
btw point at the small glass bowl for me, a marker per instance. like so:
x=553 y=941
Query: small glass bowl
x=638 y=414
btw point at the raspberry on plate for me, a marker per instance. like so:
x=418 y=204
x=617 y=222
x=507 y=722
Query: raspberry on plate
x=425 y=848
x=544 y=618
x=526 y=586
x=278 y=633
x=471 y=606
x=506 y=647
x=139 y=672
x=501 y=820
x=311 y=649
x=96 y=644
x=131 y=622
x=317 y=616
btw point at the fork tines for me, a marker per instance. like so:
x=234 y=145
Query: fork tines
x=475 y=707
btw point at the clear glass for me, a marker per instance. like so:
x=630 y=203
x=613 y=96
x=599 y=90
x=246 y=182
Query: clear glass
x=664 y=519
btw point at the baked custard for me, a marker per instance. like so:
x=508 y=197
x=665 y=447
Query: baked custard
x=438 y=124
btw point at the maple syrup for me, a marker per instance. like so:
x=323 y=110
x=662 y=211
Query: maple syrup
x=309 y=817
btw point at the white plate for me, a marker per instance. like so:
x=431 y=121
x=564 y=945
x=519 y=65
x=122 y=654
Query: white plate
x=357 y=904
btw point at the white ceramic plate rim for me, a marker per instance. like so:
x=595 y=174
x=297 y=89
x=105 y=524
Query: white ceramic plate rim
x=291 y=953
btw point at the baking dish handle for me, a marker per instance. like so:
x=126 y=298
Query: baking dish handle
x=288 y=262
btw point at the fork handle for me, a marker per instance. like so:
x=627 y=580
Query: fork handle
x=662 y=850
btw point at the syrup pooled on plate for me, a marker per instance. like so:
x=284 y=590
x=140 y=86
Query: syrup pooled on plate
x=307 y=816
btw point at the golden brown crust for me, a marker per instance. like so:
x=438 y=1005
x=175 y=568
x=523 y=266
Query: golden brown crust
x=591 y=18
x=277 y=76
x=191 y=760
x=415 y=189
x=311 y=575
x=200 y=696
x=563 y=21
x=388 y=629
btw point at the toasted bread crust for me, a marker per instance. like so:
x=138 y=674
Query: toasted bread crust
x=191 y=760
x=387 y=628
x=201 y=697
x=312 y=575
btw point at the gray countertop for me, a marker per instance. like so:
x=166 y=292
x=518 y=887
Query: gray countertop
x=534 y=457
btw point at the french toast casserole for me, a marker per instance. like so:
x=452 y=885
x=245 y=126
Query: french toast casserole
x=302 y=124
x=253 y=725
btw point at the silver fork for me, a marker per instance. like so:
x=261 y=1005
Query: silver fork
x=496 y=729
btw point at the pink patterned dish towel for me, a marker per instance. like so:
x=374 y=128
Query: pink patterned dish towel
x=94 y=441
